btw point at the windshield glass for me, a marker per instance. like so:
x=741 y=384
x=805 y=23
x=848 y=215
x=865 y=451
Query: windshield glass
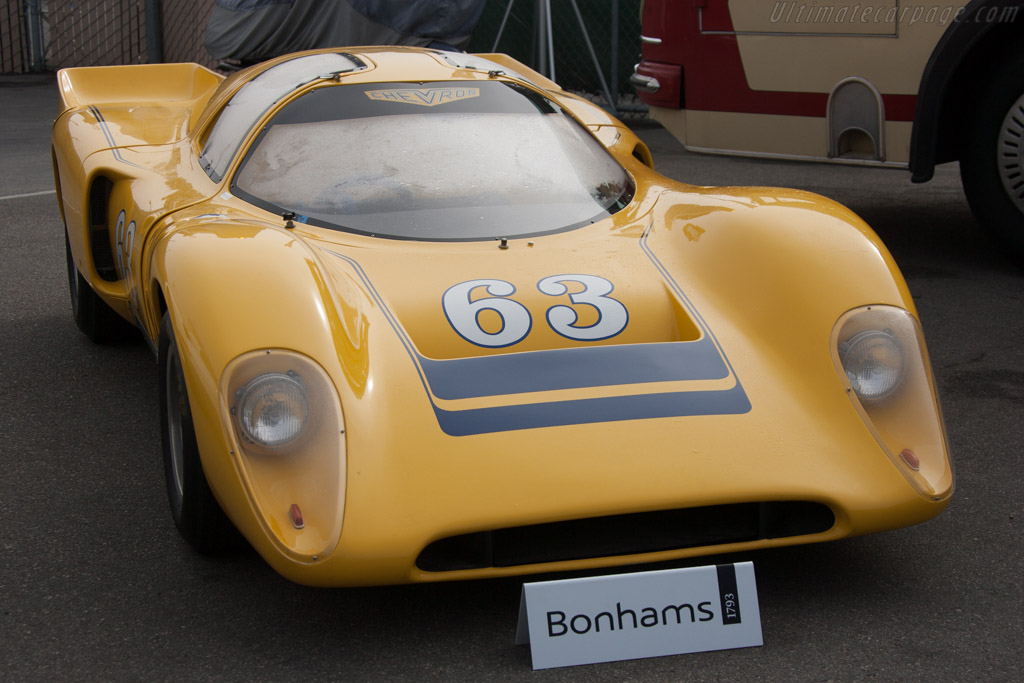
x=434 y=161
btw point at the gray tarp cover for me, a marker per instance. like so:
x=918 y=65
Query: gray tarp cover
x=254 y=30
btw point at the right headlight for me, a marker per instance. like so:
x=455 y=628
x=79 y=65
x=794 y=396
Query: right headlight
x=873 y=361
x=880 y=355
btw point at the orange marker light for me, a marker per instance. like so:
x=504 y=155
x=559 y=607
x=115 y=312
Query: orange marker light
x=296 y=516
x=910 y=457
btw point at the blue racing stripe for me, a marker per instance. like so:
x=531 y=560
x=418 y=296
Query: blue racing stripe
x=573 y=368
x=732 y=401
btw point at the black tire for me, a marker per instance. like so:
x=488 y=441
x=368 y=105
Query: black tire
x=97 y=321
x=195 y=511
x=992 y=164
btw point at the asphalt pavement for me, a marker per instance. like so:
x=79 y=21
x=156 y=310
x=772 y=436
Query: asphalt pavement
x=96 y=584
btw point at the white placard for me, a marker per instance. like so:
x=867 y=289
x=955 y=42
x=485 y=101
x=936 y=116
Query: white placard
x=648 y=614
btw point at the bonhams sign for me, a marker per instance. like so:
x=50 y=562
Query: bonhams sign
x=650 y=614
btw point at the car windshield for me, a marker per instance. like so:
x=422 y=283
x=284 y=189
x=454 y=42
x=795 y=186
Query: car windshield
x=432 y=161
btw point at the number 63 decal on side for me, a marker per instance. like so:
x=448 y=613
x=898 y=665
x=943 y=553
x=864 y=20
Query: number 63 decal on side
x=463 y=312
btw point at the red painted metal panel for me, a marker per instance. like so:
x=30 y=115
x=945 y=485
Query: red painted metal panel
x=712 y=70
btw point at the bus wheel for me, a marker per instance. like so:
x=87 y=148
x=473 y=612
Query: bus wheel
x=992 y=165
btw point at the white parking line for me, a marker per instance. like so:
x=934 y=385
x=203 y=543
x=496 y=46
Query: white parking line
x=27 y=194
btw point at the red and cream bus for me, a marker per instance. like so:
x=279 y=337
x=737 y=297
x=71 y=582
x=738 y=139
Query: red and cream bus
x=903 y=83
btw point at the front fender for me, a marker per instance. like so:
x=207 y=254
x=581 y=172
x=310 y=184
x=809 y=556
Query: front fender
x=774 y=270
x=232 y=288
x=758 y=249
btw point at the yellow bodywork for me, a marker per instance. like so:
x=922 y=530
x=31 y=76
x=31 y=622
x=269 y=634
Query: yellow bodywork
x=759 y=277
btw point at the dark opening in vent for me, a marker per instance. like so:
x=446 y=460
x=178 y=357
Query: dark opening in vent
x=631 y=534
x=99 y=230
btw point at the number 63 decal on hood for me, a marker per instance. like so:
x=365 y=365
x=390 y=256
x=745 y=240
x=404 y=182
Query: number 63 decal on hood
x=484 y=394
x=463 y=312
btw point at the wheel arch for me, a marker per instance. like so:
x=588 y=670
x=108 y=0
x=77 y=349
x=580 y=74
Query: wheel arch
x=157 y=303
x=158 y=299
x=56 y=183
x=960 y=68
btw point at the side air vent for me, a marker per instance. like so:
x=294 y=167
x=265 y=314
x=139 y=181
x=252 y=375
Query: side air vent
x=643 y=154
x=632 y=534
x=99 y=230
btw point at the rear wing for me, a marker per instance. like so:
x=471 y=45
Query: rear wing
x=182 y=87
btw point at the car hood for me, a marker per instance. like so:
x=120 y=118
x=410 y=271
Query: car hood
x=569 y=329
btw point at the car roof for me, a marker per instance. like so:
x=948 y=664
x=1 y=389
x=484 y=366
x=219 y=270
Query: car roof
x=386 y=63
x=243 y=99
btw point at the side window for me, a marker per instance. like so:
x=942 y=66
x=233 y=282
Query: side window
x=256 y=97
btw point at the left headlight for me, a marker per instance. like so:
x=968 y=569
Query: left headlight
x=880 y=355
x=272 y=409
x=288 y=437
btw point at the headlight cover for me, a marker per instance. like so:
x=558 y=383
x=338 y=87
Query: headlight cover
x=880 y=356
x=288 y=441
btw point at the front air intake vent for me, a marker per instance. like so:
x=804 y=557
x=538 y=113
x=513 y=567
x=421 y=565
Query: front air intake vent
x=632 y=534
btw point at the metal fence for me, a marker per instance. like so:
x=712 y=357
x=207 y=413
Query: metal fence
x=594 y=42
x=95 y=33
x=42 y=35
x=184 y=23
x=14 y=48
x=100 y=33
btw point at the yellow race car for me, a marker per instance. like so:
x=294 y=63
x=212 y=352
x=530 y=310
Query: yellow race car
x=425 y=316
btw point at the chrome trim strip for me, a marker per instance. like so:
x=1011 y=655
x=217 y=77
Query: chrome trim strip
x=800 y=157
x=703 y=32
